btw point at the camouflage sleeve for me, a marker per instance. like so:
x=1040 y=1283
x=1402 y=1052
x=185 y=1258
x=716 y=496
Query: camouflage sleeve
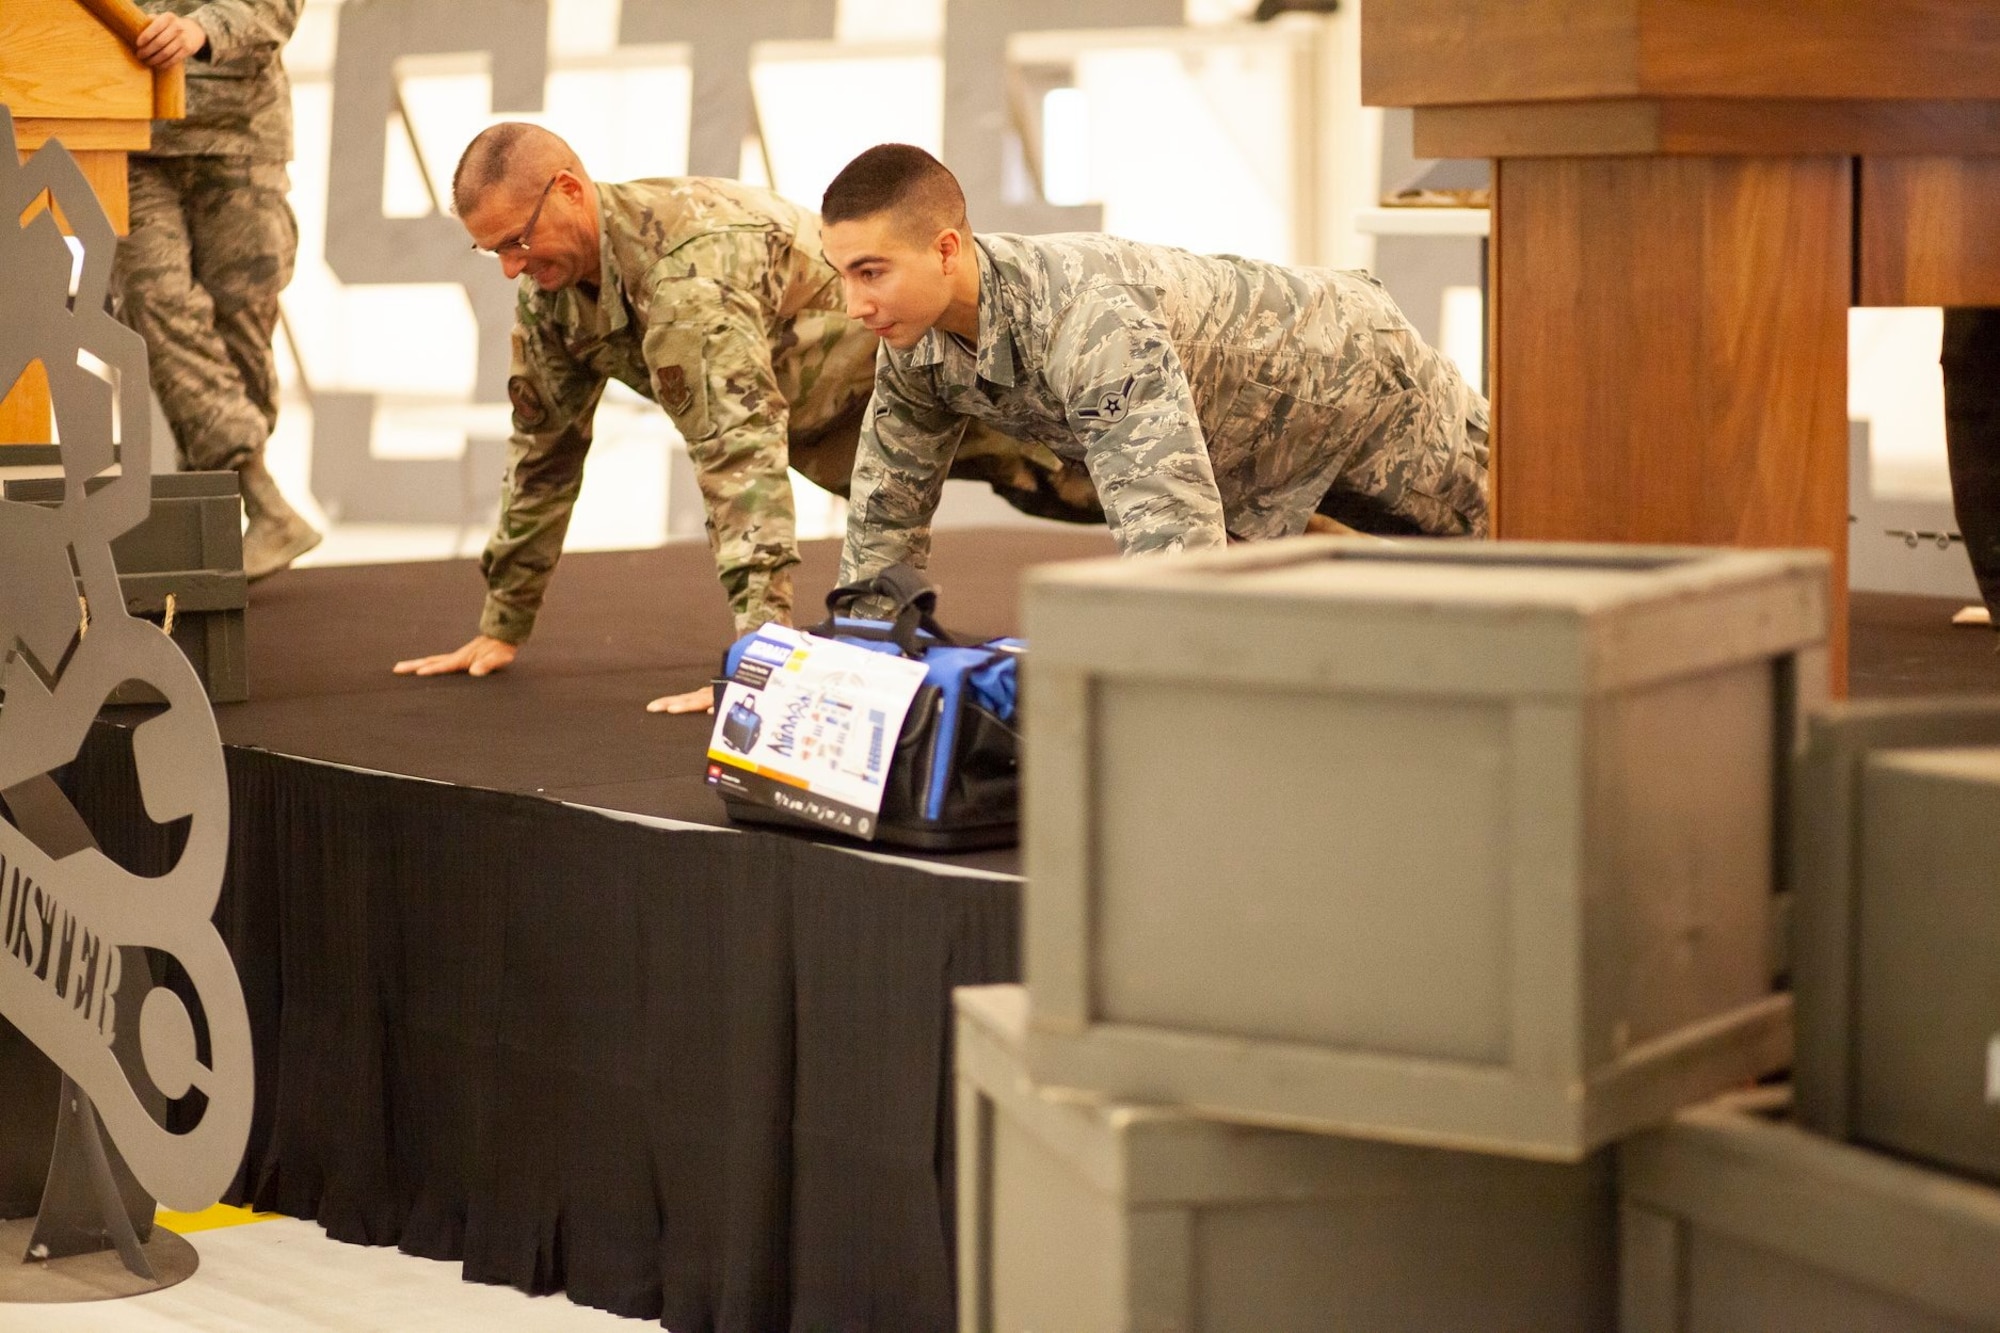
x=708 y=350
x=554 y=400
x=901 y=461
x=245 y=27
x=1129 y=403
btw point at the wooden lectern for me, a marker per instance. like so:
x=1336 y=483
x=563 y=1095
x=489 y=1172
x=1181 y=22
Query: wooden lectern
x=67 y=72
x=1688 y=196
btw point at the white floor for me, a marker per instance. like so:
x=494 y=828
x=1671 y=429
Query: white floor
x=283 y=1275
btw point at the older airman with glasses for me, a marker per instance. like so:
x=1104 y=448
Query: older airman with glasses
x=519 y=245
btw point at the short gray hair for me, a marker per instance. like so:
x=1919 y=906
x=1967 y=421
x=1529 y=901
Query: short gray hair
x=499 y=152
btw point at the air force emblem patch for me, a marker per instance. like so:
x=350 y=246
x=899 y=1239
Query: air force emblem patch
x=1113 y=405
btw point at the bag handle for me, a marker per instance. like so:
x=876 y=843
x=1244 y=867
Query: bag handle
x=913 y=600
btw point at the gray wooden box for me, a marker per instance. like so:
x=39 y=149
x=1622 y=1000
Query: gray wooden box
x=1458 y=843
x=1897 y=952
x=1086 y=1218
x=190 y=548
x=1731 y=1222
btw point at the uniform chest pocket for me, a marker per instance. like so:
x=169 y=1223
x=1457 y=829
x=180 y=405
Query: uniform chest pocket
x=1019 y=413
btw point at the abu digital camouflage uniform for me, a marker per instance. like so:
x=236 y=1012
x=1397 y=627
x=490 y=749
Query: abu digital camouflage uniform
x=714 y=301
x=212 y=237
x=1210 y=397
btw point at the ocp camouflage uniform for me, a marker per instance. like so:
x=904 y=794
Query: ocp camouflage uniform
x=1210 y=397
x=714 y=301
x=212 y=237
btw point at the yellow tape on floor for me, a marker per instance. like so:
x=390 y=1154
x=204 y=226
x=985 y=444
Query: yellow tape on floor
x=208 y=1219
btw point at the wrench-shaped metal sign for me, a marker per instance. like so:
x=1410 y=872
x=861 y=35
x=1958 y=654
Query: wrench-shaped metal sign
x=70 y=917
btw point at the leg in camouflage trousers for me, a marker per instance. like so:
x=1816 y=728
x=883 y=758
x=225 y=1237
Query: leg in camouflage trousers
x=211 y=245
x=1030 y=477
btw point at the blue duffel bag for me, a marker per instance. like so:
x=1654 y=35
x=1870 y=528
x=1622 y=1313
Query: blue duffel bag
x=954 y=781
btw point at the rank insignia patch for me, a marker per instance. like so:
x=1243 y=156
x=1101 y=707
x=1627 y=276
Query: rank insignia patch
x=676 y=395
x=529 y=413
x=1113 y=405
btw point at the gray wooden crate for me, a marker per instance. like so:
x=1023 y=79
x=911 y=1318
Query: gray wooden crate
x=1731 y=1222
x=1458 y=843
x=1897 y=947
x=189 y=548
x=1081 y=1217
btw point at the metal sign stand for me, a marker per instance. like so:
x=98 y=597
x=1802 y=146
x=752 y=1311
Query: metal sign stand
x=156 y=1086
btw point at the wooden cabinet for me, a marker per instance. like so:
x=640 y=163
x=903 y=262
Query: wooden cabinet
x=1456 y=52
x=1689 y=195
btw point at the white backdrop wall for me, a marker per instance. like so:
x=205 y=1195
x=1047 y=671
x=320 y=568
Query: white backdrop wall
x=1170 y=120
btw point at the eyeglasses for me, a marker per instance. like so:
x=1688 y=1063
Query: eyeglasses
x=519 y=245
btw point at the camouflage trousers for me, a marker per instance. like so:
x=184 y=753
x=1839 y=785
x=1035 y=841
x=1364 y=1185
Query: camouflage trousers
x=211 y=245
x=1421 y=466
x=1030 y=477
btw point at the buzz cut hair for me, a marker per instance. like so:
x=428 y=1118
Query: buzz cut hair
x=915 y=189
x=500 y=152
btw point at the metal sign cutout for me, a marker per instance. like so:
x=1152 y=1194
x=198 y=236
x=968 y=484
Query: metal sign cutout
x=81 y=937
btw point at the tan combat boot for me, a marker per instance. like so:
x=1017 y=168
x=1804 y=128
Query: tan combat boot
x=277 y=535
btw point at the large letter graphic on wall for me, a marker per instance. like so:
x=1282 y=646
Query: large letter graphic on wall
x=977 y=127
x=363 y=245
x=720 y=37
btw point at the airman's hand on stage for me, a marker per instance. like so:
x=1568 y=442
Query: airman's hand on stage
x=694 y=701
x=482 y=657
x=168 y=40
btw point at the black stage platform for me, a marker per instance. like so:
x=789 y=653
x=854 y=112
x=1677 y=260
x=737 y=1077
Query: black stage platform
x=514 y=1006
x=1901 y=647
x=567 y=720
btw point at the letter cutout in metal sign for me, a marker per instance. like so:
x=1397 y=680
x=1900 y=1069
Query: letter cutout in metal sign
x=71 y=919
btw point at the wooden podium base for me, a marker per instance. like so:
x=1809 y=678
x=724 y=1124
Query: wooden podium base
x=1670 y=344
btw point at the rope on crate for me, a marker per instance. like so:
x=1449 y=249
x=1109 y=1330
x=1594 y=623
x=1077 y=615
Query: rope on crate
x=83 y=609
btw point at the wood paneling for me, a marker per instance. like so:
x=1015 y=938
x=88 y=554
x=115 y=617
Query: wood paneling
x=24 y=413
x=1671 y=352
x=130 y=136
x=1706 y=127
x=1930 y=231
x=1599 y=128
x=58 y=59
x=1821 y=48
x=106 y=171
x=1441 y=52
x=1415 y=52
x=121 y=16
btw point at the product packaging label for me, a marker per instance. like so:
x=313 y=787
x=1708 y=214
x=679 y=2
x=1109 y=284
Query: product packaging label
x=808 y=726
